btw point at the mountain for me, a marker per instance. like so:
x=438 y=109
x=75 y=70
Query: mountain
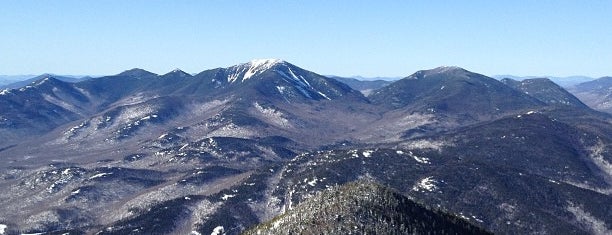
x=278 y=79
x=363 y=207
x=365 y=86
x=596 y=94
x=545 y=90
x=455 y=92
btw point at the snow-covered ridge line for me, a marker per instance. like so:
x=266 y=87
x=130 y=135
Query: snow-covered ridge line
x=252 y=68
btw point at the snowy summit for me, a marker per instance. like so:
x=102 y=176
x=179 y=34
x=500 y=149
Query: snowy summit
x=252 y=68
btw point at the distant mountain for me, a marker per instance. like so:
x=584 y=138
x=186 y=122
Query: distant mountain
x=8 y=79
x=544 y=90
x=365 y=86
x=561 y=81
x=364 y=207
x=30 y=80
x=596 y=94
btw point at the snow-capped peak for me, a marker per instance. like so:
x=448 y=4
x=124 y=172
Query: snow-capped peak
x=263 y=62
x=252 y=68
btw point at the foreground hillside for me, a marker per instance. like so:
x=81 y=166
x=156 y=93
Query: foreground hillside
x=363 y=207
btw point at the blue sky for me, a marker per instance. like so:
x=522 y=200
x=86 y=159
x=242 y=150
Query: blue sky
x=368 y=38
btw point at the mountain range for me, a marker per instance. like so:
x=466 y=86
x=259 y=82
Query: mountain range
x=561 y=81
x=228 y=148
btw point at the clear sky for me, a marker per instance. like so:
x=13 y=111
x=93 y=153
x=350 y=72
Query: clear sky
x=368 y=38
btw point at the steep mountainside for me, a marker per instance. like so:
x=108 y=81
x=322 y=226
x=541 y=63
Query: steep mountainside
x=545 y=90
x=596 y=94
x=363 y=207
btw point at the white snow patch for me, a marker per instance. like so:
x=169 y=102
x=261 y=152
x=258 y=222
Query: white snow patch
x=273 y=115
x=313 y=182
x=553 y=181
x=219 y=230
x=301 y=83
x=587 y=220
x=423 y=160
x=100 y=175
x=426 y=184
x=477 y=219
x=75 y=128
x=148 y=117
x=5 y=92
x=195 y=233
x=227 y=196
x=276 y=224
x=25 y=88
x=232 y=130
x=426 y=144
x=75 y=192
x=324 y=96
x=162 y=136
x=367 y=153
x=135 y=112
x=3 y=228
